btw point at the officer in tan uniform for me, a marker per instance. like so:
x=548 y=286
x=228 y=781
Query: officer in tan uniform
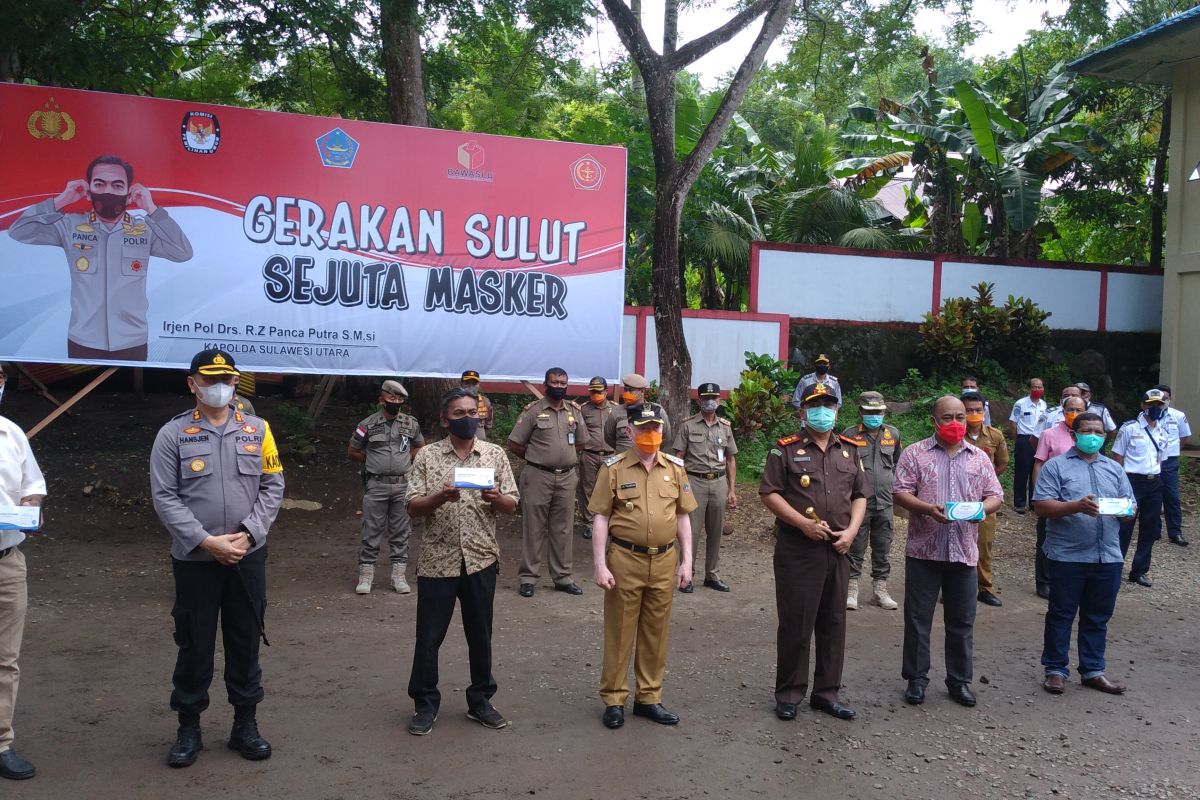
x=705 y=443
x=487 y=413
x=641 y=502
x=595 y=414
x=991 y=441
x=384 y=444
x=633 y=395
x=548 y=435
x=815 y=487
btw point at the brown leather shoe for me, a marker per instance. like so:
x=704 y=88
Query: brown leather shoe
x=1104 y=684
x=1054 y=683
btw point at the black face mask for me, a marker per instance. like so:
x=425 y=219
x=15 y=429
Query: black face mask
x=391 y=408
x=556 y=392
x=822 y=369
x=463 y=427
x=109 y=206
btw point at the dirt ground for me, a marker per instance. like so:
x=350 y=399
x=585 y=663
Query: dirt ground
x=96 y=663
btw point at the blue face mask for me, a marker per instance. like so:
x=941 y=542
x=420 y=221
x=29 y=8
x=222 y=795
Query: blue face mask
x=820 y=418
x=1155 y=412
x=872 y=421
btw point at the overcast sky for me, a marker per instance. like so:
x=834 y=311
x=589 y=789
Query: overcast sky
x=1006 y=21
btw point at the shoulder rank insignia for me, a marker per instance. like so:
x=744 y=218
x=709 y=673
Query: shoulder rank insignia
x=196 y=415
x=238 y=418
x=613 y=459
x=786 y=440
x=848 y=439
x=725 y=422
x=671 y=458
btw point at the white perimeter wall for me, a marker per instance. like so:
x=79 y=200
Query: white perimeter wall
x=717 y=346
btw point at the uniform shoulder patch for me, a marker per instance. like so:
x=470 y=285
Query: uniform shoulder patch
x=725 y=422
x=689 y=419
x=613 y=459
x=531 y=405
x=671 y=458
x=848 y=439
x=786 y=440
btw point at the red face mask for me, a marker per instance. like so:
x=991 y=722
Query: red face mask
x=1036 y=394
x=952 y=432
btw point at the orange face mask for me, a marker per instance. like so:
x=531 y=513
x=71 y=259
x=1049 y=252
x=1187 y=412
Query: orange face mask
x=1069 y=417
x=629 y=397
x=975 y=419
x=648 y=441
x=597 y=397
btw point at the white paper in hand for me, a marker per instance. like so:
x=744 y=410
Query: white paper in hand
x=20 y=518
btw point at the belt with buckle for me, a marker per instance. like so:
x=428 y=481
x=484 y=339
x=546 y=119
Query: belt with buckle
x=386 y=478
x=4 y=553
x=707 y=475
x=599 y=452
x=555 y=470
x=646 y=551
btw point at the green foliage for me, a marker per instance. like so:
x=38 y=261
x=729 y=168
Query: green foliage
x=756 y=406
x=777 y=372
x=968 y=331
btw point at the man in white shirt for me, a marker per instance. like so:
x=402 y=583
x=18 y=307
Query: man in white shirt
x=21 y=483
x=1110 y=427
x=1025 y=423
x=1054 y=414
x=1178 y=431
x=1140 y=448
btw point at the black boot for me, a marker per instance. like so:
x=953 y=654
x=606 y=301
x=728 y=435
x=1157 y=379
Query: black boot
x=187 y=745
x=245 y=737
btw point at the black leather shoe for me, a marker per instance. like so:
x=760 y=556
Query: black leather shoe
x=1019 y=509
x=962 y=694
x=1179 y=540
x=656 y=712
x=914 y=695
x=614 y=717
x=1140 y=580
x=687 y=589
x=245 y=739
x=526 y=590
x=989 y=599
x=15 y=768
x=569 y=588
x=832 y=709
x=587 y=532
x=785 y=711
x=716 y=583
x=187 y=747
x=1043 y=591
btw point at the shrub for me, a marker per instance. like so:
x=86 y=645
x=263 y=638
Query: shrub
x=755 y=406
x=968 y=333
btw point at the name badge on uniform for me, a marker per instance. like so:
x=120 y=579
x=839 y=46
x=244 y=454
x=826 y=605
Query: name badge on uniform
x=570 y=437
x=720 y=455
x=627 y=486
x=801 y=458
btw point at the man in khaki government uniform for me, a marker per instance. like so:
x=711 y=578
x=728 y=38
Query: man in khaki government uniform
x=595 y=414
x=641 y=502
x=813 y=484
x=487 y=412
x=705 y=443
x=633 y=395
x=548 y=434
x=384 y=444
x=991 y=441
x=878 y=450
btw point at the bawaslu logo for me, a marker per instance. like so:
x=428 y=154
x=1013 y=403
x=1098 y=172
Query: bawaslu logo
x=470 y=159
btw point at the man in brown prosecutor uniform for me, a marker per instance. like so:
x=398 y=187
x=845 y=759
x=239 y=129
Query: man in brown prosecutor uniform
x=595 y=413
x=816 y=489
x=641 y=502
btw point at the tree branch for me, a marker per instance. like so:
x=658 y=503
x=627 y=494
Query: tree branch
x=698 y=48
x=629 y=28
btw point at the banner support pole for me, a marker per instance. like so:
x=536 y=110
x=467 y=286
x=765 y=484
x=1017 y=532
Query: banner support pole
x=75 y=398
x=43 y=390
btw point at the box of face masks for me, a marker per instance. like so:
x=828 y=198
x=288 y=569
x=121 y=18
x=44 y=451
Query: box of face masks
x=20 y=518
x=1115 y=507
x=965 y=512
x=474 y=478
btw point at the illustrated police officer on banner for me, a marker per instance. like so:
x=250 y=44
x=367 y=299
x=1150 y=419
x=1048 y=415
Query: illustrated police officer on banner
x=217 y=485
x=108 y=254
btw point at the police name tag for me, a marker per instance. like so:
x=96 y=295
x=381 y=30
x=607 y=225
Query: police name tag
x=20 y=518
x=1115 y=506
x=474 y=478
x=964 y=512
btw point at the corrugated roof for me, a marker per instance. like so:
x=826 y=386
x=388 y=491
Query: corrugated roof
x=1147 y=56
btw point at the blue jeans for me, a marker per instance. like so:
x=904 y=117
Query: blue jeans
x=1172 y=510
x=1148 y=491
x=1091 y=590
x=1022 y=470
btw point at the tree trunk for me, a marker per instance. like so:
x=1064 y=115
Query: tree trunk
x=674 y=360
x=400 y=29
x=1158 y=205
x=639 y=87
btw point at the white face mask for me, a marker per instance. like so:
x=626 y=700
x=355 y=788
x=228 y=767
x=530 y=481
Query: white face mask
x=215 y=396
x=708 y=406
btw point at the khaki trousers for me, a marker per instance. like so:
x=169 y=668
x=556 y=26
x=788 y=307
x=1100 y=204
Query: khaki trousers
x=711 y=496
x=547 y=516
x=14 y=600
x=589 y=467
x=987 y=537
x=637 y=609
x=385 y=515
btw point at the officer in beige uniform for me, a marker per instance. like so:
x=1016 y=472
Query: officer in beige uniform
x=487 y=412
x=595 y=414
x=633 y=395
x=641 y=502
x=384 y=444
x=705 y=443
x=548 y=434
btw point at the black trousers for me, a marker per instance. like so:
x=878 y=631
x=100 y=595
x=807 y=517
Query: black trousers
x=435 y=608
x=207 y=593
x=958 y=585
x=1023 y=470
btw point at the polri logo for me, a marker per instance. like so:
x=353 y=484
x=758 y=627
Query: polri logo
x=337 y=149
x=470 y=161
x=200 y=132
x=587 y=173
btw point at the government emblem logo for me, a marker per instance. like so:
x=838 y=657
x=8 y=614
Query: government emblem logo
x=200 y=132
x=587 y=173
x=51 y=122
x=337 y=149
